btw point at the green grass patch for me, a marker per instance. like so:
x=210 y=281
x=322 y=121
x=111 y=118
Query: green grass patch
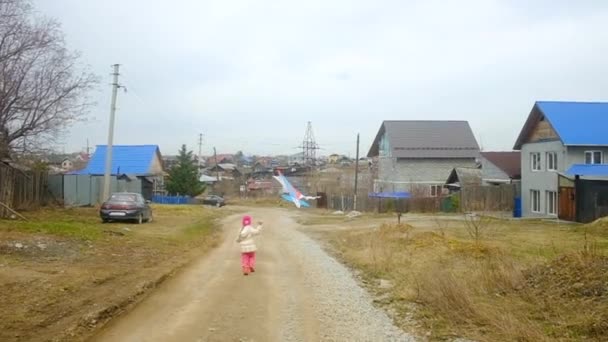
x=74 y=223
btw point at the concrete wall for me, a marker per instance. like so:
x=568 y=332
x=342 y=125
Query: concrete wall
x=543 y=180
x=405 y=174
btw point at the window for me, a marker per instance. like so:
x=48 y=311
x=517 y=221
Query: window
x=436 y=190
x=535 y=198
x=551 y=161
x=551 y=202
x=593 y=157
x=535 y=161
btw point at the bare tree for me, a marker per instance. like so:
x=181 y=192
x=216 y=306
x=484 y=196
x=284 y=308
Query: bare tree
x=42 y=87
x=478 y=226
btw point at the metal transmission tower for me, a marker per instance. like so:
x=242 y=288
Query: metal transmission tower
x=309 y=147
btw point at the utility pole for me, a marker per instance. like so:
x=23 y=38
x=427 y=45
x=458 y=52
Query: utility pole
x=356 y=173
x=200 y=152
x=108 y=171
x=217 y=168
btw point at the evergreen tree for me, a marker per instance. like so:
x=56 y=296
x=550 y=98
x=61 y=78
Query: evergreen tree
x=183 y=177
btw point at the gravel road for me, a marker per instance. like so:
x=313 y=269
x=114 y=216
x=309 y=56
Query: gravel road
x=298 y=293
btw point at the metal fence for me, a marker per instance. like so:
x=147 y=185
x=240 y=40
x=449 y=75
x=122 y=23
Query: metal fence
x=172 y=199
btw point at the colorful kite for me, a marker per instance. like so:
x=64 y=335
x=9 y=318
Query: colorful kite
x=291 y=194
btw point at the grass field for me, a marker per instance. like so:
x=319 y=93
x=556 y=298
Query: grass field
x=64 y=273
x=510 y=281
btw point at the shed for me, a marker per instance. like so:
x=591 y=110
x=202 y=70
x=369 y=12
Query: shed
x=462 y=177
x=583 y=193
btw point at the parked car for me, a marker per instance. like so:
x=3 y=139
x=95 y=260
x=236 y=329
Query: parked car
x=126 y=206
x=214 y=200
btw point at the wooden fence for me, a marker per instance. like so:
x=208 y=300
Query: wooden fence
x=488 y=198
x=21 y=190
x=471 y=199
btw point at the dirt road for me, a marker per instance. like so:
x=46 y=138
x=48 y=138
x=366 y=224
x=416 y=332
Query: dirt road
x=298 y=293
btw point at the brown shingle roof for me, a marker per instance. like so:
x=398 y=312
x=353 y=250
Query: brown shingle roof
x=509 y=162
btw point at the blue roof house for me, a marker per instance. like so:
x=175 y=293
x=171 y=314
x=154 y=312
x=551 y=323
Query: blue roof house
x=558 y=142
x=136 y=168
x=132 y=160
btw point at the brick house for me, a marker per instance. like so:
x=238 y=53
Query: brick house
x=418 y=156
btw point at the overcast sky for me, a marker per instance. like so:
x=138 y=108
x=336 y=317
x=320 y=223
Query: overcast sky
x=250 y=74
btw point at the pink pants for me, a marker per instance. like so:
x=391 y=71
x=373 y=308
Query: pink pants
x=248 y=261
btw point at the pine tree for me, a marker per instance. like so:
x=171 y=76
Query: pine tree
x=184 y=178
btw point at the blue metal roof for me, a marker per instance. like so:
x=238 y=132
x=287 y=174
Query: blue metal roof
x=126 y=159
x=588 y=170
x=577 y=123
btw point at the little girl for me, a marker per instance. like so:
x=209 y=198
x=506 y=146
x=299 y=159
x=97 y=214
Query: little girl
x=247 y=242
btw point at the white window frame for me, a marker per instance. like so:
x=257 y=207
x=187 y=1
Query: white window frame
x=551 y=200
x=436 y=190
x=533 y=201
x=551 y=161
x=593 y=161
x=535 y=163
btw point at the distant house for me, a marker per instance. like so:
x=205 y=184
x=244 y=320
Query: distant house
x=225 y=171
x=462 y=177
x=557 y=139
x=418 y=156
x=134 y=168
x=221 y=159
x=500 y=167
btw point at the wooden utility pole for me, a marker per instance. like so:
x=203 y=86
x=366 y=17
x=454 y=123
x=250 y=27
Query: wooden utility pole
x=356 y=174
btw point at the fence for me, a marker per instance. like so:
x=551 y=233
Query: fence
x=21 y=190
x=481 y=198
x=172 y=199
x=488 y=198
x=365 y=203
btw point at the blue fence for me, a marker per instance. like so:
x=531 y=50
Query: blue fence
x=172 y=199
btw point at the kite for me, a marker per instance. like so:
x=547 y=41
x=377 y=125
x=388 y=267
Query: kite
x=291 y=194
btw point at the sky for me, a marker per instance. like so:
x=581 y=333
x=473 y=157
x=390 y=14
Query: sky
x=249 y=75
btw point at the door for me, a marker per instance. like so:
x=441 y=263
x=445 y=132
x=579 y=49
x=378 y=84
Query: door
x=567 y=204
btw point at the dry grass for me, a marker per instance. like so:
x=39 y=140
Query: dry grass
x=64 y=273
x=528 y=281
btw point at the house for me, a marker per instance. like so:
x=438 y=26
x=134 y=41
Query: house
x=556 y=137
x=463 y=177
x=224 y=171
x=418 y=156
x=500 y=167
x=134 y=168
x=220 y=159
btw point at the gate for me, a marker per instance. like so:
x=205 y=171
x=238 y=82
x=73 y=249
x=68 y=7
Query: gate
x=567 y=204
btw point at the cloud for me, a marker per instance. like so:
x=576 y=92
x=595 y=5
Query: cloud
x=250 y=74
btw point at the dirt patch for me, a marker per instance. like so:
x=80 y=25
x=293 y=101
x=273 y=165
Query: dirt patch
x=64 y=274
